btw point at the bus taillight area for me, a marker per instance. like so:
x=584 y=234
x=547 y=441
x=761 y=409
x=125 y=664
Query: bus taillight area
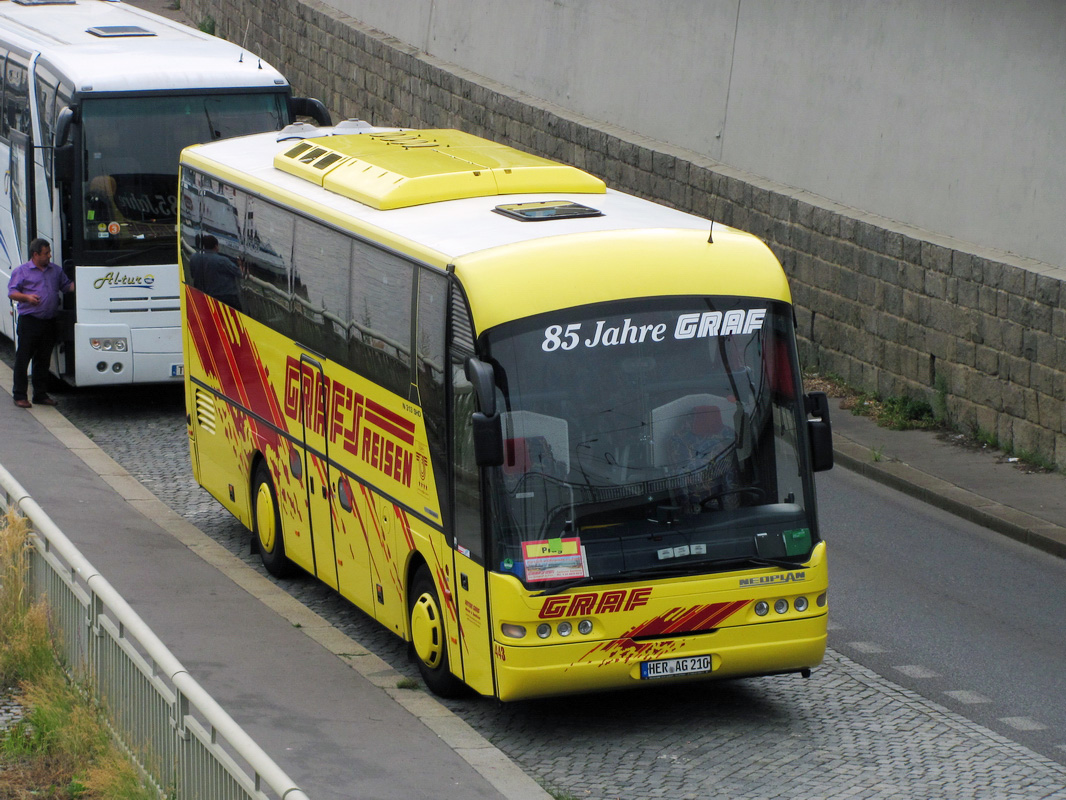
x=112 y=354
x=622 y=636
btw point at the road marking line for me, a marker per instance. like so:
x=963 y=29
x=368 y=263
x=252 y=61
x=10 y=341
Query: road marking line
x=968 y=697
x=867 y=647
x=916 y=671
x=1023 y=723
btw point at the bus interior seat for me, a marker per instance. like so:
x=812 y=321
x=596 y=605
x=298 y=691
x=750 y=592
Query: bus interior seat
x=533 y=441
x=707 y=413
x=527 y=454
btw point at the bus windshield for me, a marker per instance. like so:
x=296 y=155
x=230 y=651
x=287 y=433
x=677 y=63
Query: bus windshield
x=132 y=147
x=647 y=437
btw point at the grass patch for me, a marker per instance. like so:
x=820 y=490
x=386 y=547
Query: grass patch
x=60 y=749
x=897 y=413
x=908 y=413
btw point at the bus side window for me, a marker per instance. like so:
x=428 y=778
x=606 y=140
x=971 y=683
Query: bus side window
x=3 y=83
x=16 y=96
x=320 y=312
x=270 y=288
x=190 y=220
x=468 y=527
x=379 y=331
x=430 y=360
x=46 y=107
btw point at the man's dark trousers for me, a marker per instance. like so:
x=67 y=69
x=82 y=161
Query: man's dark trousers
x=36 y=338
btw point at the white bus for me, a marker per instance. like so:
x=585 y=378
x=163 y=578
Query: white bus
x=97 y=100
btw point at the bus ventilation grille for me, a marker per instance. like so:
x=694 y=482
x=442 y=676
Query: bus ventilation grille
x=206 y=417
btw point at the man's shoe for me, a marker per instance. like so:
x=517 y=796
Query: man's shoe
x=24 y=403
x=45 y=400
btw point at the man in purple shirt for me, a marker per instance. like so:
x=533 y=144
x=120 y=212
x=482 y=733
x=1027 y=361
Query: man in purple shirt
x=35 y=286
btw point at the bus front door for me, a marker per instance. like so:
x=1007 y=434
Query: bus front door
x=314 y=400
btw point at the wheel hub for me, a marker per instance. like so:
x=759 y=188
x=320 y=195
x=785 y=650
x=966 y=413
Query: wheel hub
x=426 y=633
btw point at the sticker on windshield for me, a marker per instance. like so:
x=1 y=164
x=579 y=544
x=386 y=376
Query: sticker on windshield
x=697 y=325
x=554 y=560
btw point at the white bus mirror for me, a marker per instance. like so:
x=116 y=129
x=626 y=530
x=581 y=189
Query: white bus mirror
x=309 y=107
x=63 y=154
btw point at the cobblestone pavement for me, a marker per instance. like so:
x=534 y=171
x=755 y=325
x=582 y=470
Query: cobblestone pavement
x=846 y=732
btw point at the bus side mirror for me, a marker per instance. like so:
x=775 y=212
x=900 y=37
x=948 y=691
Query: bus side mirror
x=63 y=154
x=309 y=107
x=819 y=431
x=487 y=424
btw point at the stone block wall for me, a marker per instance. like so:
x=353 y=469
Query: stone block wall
x=887 y=308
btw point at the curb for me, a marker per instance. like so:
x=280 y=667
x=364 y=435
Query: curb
x=1010 y=522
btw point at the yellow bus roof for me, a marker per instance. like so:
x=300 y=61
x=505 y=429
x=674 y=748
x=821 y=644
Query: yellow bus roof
x=410 y=200
x=408 y=168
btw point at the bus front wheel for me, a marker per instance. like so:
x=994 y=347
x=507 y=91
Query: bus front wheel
x=429 y=638
x=267 y=522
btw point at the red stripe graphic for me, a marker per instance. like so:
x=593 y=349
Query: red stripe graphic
x=677 y=622
x=389 y=422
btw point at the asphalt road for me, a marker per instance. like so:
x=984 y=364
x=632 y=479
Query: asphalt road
x=921 y=605
x=961 y=615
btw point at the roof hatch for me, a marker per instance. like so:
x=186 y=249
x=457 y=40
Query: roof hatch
x=115 y=31
x=547 y=209
x=397 y=169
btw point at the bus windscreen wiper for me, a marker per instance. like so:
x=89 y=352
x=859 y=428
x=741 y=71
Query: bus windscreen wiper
x=672 y=569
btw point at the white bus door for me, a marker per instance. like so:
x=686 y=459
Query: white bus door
x=16 y=221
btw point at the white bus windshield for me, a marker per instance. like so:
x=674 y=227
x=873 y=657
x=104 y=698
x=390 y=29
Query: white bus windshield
x=132 y=147
x=648 y=436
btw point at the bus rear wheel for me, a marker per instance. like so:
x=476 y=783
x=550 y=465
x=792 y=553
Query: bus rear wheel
x=267 y=521
x=429 y=638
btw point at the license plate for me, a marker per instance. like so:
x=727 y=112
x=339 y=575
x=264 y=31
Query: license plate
x=177 y=370
x=669 y=667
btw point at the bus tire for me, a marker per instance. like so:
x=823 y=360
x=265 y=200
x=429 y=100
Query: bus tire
x=429 y=639
x=267 y=521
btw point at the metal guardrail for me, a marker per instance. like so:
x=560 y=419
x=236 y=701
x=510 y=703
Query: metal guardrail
x=186 y=744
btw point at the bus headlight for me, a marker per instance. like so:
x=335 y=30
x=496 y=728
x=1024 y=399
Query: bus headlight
x=781 y=606
x=584 y=627
x=565 y=629
x=801 y=604
x=762 y=608
x=513 y=631
x=544 y=630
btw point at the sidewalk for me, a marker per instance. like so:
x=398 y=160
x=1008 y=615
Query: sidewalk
x=978 y=485
x=328 y=711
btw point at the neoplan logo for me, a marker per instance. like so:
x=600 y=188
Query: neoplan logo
x=768 y=580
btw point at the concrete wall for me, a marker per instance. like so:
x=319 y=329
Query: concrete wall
x=885 y=305
x=947 y=115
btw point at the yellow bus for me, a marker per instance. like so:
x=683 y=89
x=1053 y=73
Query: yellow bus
x=551 y=434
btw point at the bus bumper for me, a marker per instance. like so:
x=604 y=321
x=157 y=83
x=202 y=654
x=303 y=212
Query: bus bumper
x=590 y=666
x=117 y=354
